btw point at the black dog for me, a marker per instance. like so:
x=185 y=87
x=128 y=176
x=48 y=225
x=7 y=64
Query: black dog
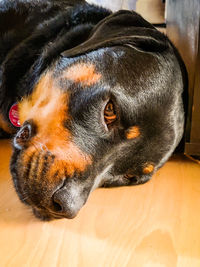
x=99 y=97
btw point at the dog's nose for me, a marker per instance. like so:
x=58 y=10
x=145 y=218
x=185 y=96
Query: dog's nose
x=64 y=205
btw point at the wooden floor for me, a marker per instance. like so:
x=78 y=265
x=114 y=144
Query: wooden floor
x=156 y=224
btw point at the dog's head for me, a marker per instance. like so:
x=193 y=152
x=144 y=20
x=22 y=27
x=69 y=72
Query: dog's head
x=107 y=112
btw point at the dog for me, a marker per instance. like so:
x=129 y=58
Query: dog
x=92 y=99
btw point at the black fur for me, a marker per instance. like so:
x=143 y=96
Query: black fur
x=141 y=72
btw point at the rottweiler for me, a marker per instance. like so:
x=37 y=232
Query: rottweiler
x=91 y=98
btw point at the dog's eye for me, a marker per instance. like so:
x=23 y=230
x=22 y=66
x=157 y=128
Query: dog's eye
x=110 y=113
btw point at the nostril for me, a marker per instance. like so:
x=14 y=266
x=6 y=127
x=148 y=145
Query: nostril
x=64 y=204
x=57 y=206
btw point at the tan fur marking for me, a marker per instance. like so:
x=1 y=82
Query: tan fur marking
x=82 y=73
x=5 y=126
x=133 y=132
x=148 y=169
x=48 y=108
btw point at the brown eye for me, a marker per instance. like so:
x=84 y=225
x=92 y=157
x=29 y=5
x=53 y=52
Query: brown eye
x=23 y=136
x=110 y=113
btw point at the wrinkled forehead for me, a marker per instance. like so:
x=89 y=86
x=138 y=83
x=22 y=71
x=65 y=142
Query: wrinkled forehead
x=109 y=67
x=95 y=68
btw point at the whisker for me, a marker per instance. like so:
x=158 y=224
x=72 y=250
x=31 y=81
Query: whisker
x=36 y=147
x=24 y=198
x=42 y=146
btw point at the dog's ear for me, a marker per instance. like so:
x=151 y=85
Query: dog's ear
x=126 y=28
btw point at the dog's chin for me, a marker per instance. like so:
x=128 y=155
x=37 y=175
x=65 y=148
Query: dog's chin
x=44 y=215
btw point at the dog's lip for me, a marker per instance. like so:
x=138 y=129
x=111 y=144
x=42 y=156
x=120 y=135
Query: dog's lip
x=56 y=215
x=43 y=212
x=44 y=215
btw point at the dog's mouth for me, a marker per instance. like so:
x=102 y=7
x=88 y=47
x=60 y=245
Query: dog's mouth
x=41 y=211
x=46 y=215
x=48 y=200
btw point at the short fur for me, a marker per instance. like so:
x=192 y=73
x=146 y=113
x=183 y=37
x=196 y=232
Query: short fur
x=79 y=57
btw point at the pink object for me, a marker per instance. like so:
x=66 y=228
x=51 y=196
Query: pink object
x=14 y=116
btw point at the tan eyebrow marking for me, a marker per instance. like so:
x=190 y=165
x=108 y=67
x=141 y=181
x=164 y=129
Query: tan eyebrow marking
x=82 y=73
x=132 y=132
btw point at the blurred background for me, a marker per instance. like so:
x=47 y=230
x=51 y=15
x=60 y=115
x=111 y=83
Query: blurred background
x=151 y=10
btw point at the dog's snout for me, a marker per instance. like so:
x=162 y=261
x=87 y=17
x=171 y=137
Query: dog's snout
x=64 y=205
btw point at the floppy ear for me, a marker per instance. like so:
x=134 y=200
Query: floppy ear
x=122 y=28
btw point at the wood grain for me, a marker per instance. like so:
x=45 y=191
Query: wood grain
x=155 y=224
